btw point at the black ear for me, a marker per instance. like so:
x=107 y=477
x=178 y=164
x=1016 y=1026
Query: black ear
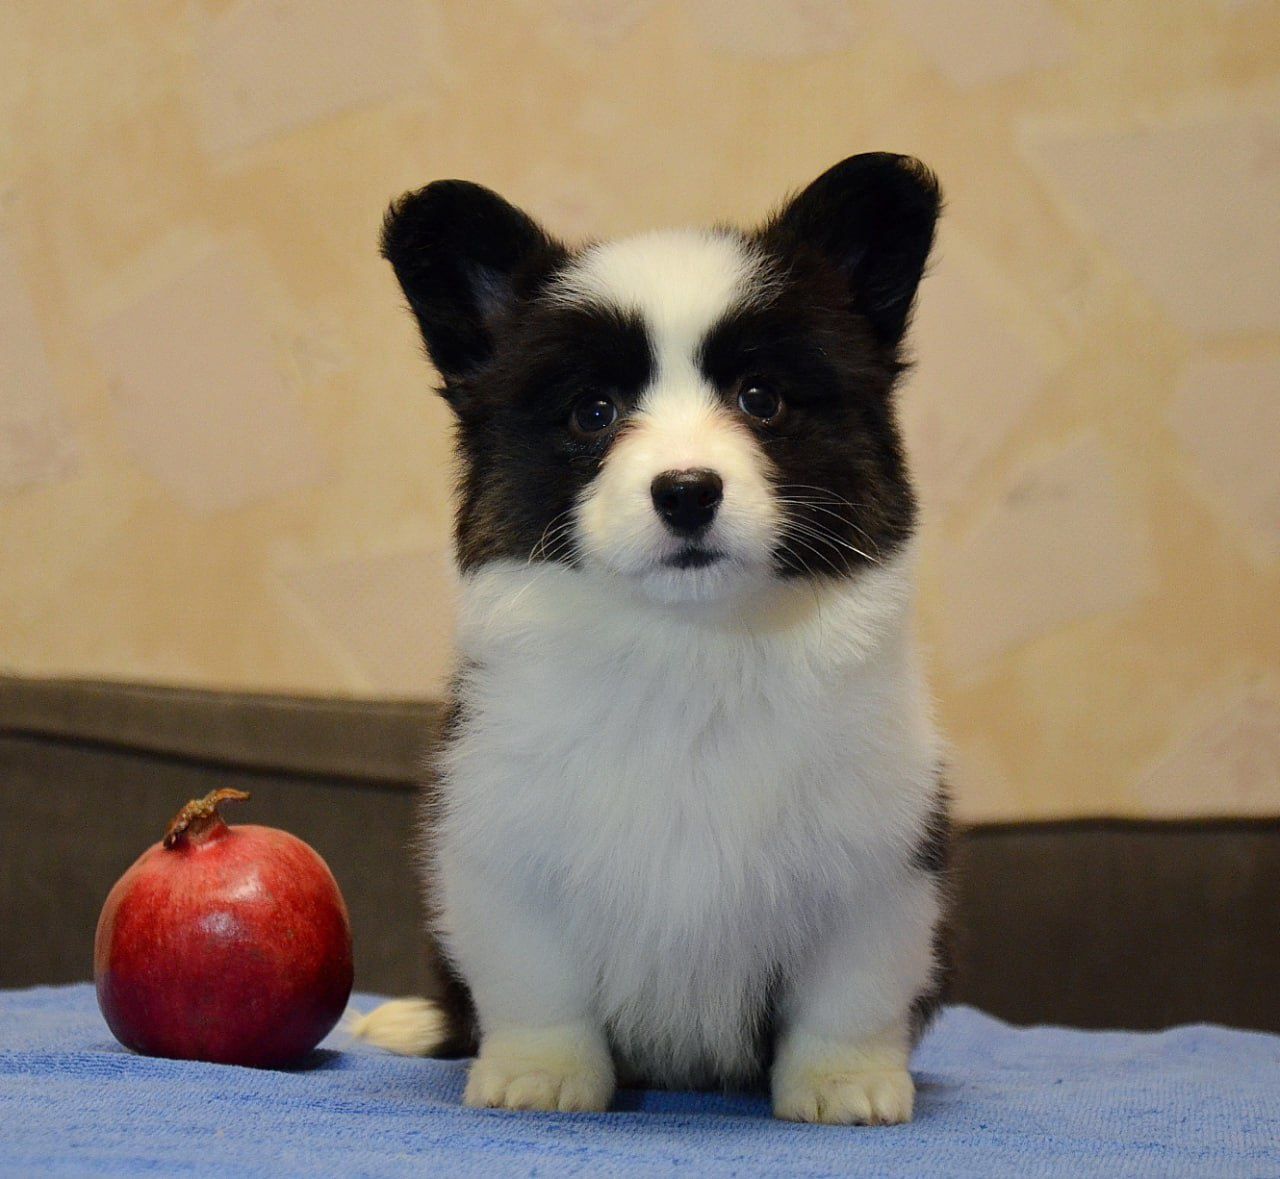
x=465 y=258
x=872 y=216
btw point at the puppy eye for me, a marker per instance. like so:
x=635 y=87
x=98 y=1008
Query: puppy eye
x=759 y=401
x=592 y=415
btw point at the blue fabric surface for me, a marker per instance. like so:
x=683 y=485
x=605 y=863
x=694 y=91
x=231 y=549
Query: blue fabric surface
x=994 y=1101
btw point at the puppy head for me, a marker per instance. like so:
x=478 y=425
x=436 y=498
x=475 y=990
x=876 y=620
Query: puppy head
x=691 y=412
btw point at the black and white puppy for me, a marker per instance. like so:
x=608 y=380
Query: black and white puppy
x=689 y=828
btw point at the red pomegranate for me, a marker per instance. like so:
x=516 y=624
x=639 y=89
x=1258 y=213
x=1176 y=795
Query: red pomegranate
x=225 y=944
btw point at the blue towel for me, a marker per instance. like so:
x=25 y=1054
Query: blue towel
x=994 y=1101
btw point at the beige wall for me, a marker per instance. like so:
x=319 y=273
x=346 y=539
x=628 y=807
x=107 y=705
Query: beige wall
x=220 y=462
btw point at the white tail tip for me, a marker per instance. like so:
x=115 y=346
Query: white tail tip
x=411 y=1027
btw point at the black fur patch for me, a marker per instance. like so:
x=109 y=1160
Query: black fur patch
x=840 y=475
x=932 y=854
x=446 y=987
x=926 y=1005
x=846 y=257
x=521 y=468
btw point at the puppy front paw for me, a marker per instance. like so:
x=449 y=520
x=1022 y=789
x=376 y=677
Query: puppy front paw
x=566 y=1069
x=872 y=1097
x=844 y=1082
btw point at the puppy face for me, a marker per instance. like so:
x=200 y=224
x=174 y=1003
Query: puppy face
x=682 y=502
x=691 y=412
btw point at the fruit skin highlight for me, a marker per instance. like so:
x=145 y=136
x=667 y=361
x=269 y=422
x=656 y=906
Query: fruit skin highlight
x=224 y=944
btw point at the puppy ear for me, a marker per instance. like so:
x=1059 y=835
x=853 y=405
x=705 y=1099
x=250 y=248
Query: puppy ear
x=872 y=216
x=465 y=258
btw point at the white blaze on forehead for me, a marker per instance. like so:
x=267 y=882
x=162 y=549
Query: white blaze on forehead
x=680 y=282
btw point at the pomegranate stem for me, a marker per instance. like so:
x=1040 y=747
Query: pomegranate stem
x=199 y=819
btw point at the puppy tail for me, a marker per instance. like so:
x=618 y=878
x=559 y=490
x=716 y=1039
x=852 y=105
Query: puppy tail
x=411 y=1027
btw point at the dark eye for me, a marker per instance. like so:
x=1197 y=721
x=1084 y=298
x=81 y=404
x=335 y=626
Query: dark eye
x=592 y=415
x=759 y=401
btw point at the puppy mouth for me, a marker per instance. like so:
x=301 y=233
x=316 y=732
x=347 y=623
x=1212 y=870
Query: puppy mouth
x=693 y=557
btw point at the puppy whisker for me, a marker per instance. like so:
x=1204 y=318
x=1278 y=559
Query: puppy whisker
x=554 y=529
x=822 y=536
x=835 y=569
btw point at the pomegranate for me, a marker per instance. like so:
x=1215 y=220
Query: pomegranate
x=226 y=944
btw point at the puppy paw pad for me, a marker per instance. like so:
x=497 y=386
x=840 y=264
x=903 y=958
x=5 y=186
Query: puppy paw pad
x=874 y=1097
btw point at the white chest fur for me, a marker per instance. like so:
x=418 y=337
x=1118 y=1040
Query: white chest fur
x=689 y=795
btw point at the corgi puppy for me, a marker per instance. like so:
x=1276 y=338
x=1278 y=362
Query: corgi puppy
x=687 y=827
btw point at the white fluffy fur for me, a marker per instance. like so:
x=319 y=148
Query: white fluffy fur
x=650 y=806
x=673 y=791
x=681 y=281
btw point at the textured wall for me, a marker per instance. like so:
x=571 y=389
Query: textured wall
x=220 y=462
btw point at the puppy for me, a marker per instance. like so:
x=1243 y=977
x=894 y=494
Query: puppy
x=689 y=828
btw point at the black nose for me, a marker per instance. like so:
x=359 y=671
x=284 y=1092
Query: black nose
x=687 y=500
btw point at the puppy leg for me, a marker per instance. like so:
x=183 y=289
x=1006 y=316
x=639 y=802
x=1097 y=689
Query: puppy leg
x=844 y=1052
x=540 y=1048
